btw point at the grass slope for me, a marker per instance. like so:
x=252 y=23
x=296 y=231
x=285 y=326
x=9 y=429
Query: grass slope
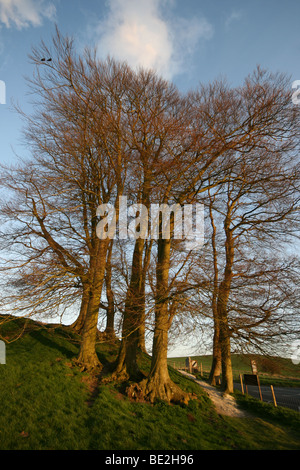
x=46 y=403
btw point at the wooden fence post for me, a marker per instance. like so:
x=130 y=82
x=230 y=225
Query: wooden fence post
x=273 y=395
x=242 y=386
x=258 y=383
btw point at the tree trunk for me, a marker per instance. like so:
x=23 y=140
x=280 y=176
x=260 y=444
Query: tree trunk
x=227 y=377
x=110 y=320
x=158 y=384
x=133 y=318
x=110 y=312
x=78 y=324
x=87 y=356
x=216 y=366
x=223 y=296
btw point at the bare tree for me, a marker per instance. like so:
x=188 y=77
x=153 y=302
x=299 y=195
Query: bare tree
x=196 y=156
x=247 y=126
x=258 y=203
x=79 y=162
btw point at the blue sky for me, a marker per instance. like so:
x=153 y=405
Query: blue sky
x=187 y=41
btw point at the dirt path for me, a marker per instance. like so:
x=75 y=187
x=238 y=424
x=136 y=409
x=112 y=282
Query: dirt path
x=225 y=404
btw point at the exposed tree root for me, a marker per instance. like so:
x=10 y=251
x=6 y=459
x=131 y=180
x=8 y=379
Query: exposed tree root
x=153 y=389
x=94 y=367
x=135 y=392
x=119 y=376
x=122 y=375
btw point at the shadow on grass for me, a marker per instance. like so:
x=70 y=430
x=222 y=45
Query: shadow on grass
x=53 y=343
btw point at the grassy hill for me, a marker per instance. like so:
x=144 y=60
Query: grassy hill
x=47 y=403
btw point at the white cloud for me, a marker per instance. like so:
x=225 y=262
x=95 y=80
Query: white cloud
x=234 y=16
x=136 y=31
x=24 y=13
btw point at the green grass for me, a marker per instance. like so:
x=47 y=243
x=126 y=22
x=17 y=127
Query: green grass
x=46 y=403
